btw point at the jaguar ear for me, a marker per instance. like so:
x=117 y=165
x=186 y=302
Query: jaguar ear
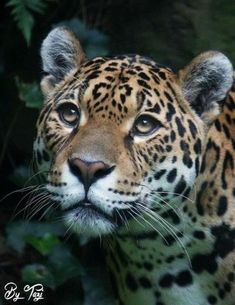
x=61 y=53
x=205 y=83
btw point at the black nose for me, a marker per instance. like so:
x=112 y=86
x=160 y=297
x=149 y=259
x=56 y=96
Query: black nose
x=89 y=172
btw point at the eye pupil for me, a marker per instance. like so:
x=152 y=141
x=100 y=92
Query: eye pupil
x=70 y=112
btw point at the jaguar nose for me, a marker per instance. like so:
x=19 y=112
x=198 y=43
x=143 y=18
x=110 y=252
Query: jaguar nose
x=89 y=172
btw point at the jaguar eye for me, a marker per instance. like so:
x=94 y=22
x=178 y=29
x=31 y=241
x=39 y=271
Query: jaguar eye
x=69 y=114
x=145 y=125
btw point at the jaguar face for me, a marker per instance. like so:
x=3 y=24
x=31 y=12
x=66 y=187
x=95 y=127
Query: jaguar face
x=118 y=136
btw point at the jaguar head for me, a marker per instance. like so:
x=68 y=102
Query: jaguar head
x=121 y=138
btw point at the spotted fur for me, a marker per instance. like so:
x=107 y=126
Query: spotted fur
x=164 y=201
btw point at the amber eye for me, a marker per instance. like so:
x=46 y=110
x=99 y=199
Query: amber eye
x=69 y=114
x=145 y=125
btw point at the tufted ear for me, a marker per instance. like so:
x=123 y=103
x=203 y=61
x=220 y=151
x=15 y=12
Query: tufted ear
x=61 y=53
x=205 y=83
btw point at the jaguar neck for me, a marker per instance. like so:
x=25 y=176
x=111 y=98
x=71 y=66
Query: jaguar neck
x=153 y=267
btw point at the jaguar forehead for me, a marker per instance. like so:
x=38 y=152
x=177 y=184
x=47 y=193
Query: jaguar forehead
x=107 y=88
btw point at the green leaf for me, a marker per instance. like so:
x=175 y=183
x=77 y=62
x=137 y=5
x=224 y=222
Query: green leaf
x=18 y=230
x=38 y=273
x=36 y=6
x=44 y=244
x=30 y=94
x=22 y=17
x=22 y=12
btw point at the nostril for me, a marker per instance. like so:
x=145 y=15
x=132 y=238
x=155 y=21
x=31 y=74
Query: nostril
x=101 y=173
x=74 y=168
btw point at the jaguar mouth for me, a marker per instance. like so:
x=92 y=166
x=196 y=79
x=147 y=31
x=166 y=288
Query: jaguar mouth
x=89 y=209
x=86 y=209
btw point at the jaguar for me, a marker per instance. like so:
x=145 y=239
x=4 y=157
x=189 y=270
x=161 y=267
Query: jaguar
x=143 y=157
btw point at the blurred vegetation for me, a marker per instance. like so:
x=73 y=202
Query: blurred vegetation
x=38 y=249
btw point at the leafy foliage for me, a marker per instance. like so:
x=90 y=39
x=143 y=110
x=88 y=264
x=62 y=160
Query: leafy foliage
x=19 y=233
x=58 y=267
x=30 y=94
x=44 y=244
x=38 y=273
x=22 y=12
x=56 y=264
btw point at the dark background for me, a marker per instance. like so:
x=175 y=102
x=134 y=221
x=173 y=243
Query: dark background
x=35 y=250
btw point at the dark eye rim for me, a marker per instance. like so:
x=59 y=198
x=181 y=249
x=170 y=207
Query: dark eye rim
x=155 y=121
x=66 y=106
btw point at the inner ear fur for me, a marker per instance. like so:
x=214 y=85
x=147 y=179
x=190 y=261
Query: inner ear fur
x=205 y=82
x=61 y=53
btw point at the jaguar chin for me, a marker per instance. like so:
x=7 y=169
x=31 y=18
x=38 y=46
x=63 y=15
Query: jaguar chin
x=88 y=220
